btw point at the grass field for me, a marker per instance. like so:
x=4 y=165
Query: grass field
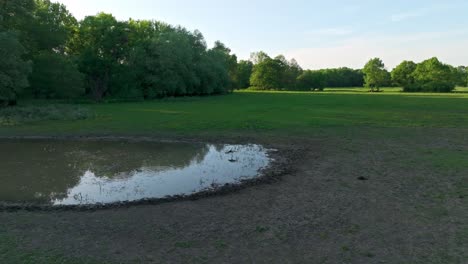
x=412 y=147
x=269 y=112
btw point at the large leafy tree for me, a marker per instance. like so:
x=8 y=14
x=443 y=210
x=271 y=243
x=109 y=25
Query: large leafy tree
x=14 y=69
x=101 y=45
x=56 y=76
x=230 y=62
x=244 y=71
x=164 y=66
x=273 y=74
x=375 y=74
x=402 y=75
x=53 y=26
x=267 y=75
x=16 y=14
x=432 y=76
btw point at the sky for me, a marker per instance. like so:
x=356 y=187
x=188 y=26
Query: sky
x=318 y=34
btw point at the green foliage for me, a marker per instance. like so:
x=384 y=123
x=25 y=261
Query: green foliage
x=16 y=15
x=375 y=74
x=461 y=75
x=55 y=76
x=331 y=78
x=164 y=69
x=14 y=69
x=274 y=74
x=280 y=74
x=17 y=115
x=311 y=80
x=244 y=71
x=343 y=77
x=402 y=75
x=432 y=76
x=141 y=59
x=53 y=26
x=101 y=45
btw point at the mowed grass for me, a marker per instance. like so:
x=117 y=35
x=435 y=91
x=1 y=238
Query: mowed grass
x=270 y=112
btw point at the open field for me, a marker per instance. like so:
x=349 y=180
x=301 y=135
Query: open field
x=411 y=148
x=287 y=113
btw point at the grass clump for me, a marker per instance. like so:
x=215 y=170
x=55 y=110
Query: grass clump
x=17 y=115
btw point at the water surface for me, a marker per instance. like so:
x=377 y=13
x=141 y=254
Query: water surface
x=58 y=172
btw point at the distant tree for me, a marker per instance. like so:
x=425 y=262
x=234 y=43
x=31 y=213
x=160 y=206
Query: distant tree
x=258 y=57
x=432 y=76
x=461 y=75
x=230 y=61
x=244 y=71
x=164 y=66
x=292 y=72
x=274 y=74
x=402 y=75
x=375 y=74
x=343 y=77
x=56 y=76
x=213 y=74
x=14 y=69
x=311 y=80
x=267 y=75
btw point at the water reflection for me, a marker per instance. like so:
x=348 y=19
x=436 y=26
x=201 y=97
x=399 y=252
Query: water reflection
x=89 y=172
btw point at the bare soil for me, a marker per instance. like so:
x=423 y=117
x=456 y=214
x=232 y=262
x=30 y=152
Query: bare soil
x=354 y=198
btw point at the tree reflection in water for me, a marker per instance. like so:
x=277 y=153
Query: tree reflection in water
x=86 y=172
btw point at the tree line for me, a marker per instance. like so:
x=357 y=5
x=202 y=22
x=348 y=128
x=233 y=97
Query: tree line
x=428 y=76
x=280 y=74
x=47 y=53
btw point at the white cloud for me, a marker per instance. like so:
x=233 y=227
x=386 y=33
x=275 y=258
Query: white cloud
x=450 y=47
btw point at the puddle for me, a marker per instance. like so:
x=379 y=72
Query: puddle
x=55 y=172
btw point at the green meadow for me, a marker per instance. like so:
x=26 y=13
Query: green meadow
x=277 y=113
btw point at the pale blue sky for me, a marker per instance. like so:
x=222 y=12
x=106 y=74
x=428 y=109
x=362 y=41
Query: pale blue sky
x=318 y=34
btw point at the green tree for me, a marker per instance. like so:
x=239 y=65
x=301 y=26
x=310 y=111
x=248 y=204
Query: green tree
x=14 y=70
x=53 y=26
x=101 y=45
x=292 y=71
x=258 y=57
x=311 y=80
x=402 y=75
x=244 y=71
x=375 y=74
x=164 y=66
x=16 y=15
x=267 y=75
x=461 y=75
x=432 y=76
x=230 y=61
x=55 y=76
